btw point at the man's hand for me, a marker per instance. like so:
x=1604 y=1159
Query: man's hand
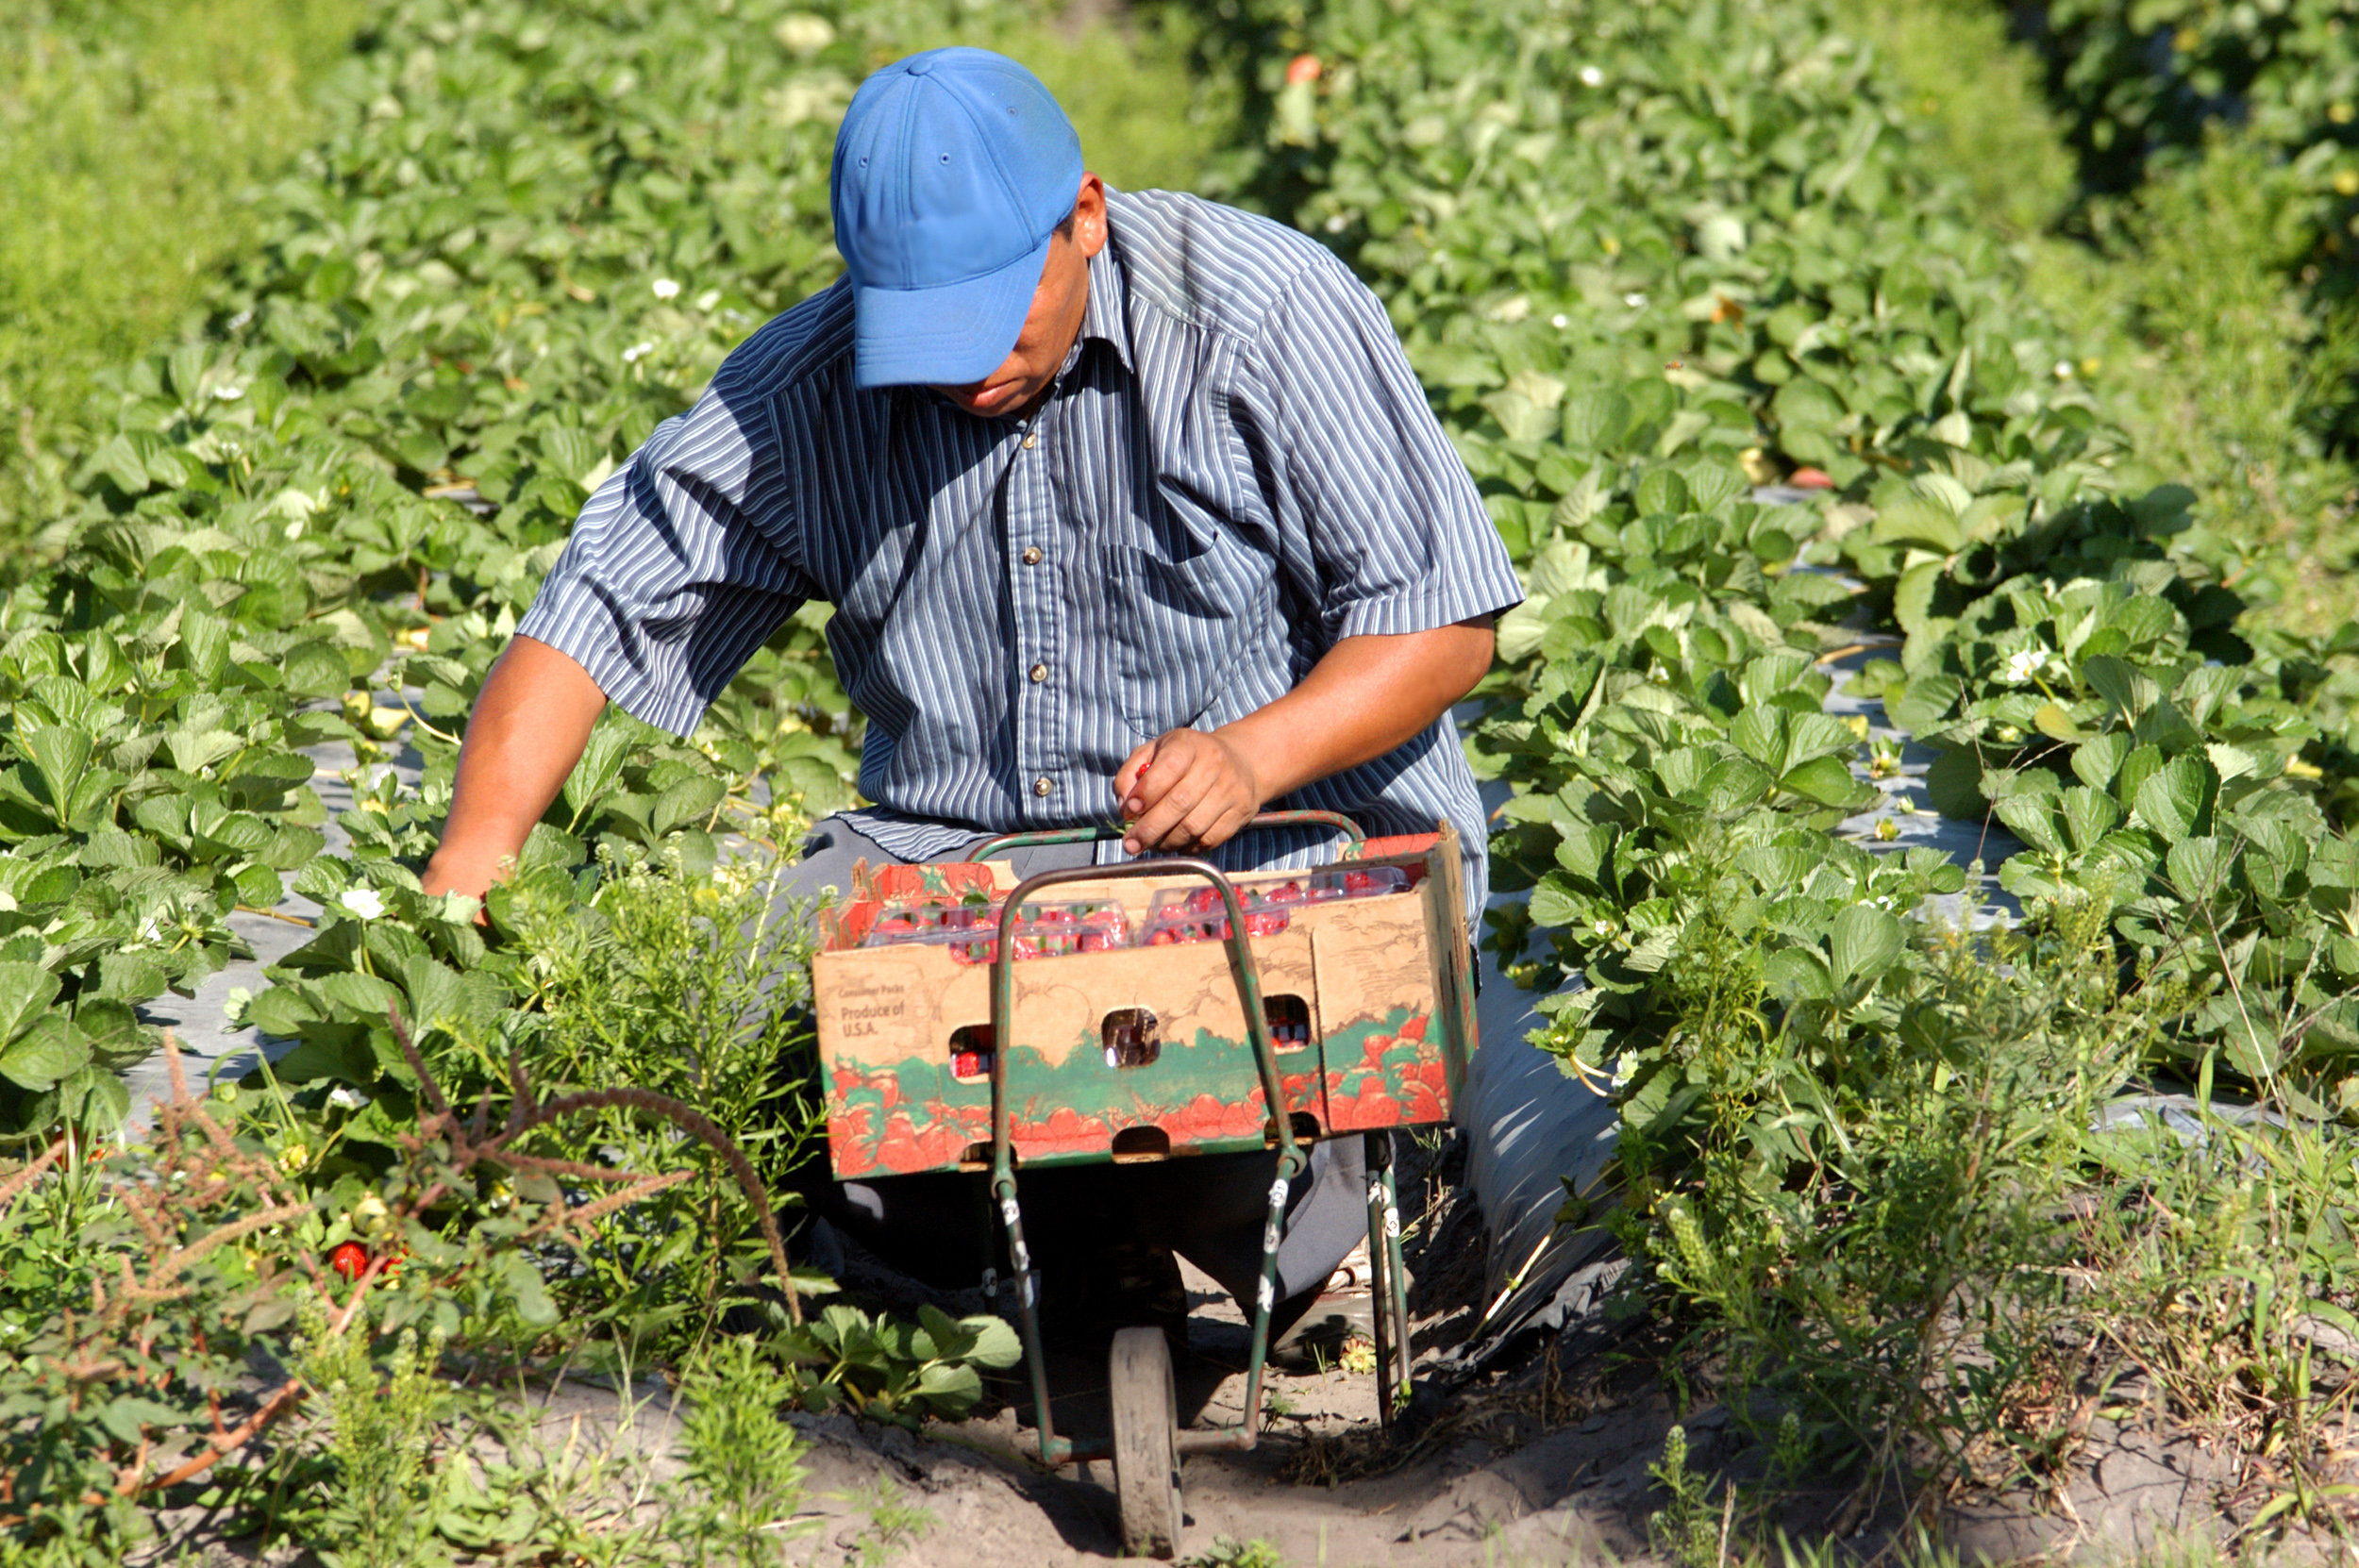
x=1184 y=790
x=530 y=721
x=1187 y=789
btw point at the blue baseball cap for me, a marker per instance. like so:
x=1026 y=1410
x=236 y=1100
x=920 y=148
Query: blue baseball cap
x=952 y=170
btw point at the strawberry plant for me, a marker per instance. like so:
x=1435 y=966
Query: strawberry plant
x=1637 y=254
x=898 y=1371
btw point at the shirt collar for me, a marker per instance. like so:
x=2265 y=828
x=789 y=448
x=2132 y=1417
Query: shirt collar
x=1103 y=318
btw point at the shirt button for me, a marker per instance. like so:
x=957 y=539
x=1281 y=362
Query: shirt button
x=1032 y=555
x=1031 y=438
x=1039 y=674
x=1042 y=786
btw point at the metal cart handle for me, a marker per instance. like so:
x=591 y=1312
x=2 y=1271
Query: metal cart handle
x=1290 y=1156
x=1046 y=836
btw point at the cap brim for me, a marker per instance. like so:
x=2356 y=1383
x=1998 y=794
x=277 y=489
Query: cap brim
x=952 y=335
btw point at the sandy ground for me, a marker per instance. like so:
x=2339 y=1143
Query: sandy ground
x=1321 y=1487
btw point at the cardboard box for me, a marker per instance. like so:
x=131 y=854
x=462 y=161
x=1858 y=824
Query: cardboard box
x=1378 y=989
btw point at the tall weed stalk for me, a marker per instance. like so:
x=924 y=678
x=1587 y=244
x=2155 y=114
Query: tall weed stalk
x=696 y=987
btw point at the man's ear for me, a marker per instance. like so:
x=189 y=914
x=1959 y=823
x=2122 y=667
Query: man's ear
x=1089 y=216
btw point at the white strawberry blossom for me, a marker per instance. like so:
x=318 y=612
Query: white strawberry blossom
x=366 y=902
x=2024 y=663
x=666 y=287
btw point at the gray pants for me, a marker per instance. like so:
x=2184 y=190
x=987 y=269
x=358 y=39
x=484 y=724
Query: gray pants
x=939 y=1229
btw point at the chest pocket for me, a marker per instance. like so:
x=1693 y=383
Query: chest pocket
x=1182 y=591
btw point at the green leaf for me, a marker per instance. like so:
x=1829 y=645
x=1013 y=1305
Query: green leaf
x=951 y=1391
x=1581 y=849
x=1953 y=784
x=2130 y=692
x=49 y=1050
x=526 y=1289
x=1913 y=595
x=686 y=801
x=2033 y=819
x=1866 y=942
x=60 y=756
x=436 y=993
x=1797 y=974
x=282 y=1010
x=364 y=995
x=131 y=977
x=1662 y=491
x=25 y=993
x=1806 y=403
x=315 y=670
x=112 y=1029
x=1731 y=784
x=1762 y=734
x=1924 y=704
x=995 y=1342
x=124 y=1415
x=2090 y=813
x=1828 y=781
x=1553 y=906
x=1594 y=419
x=1918 y=520
x=2096 y=760
x=613 y=740
x=204 y=645
x=2177 y=801
x=2054 y=722
x=1711 y=483
x=194 y=750
x=2199 y=868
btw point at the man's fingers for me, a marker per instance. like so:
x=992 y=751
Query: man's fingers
x=1163 y=819
x=1203 y=826
x=1133 y=767
x=1230 y=823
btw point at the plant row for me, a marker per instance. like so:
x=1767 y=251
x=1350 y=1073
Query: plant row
x=528 y=236
x=1643 y=258
x=524 y=240
x=2147 y=88
x=1647 y=260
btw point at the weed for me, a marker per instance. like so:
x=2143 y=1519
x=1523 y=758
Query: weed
x=894 y=1522
x=743 y=1475
x=380 y=1510
x=1690 y=1528
x=687 y=985
x=1228 y=1552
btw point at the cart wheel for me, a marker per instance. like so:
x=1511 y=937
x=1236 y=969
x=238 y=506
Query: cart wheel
x=1147 y=1450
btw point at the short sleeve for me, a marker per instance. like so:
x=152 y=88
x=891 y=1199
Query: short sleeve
x=1369 y=485
x=679 y=568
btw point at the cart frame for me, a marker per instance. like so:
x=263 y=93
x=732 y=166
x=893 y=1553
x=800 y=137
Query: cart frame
x=1388 y=1282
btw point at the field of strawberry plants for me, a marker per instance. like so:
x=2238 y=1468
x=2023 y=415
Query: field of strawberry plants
x=2154 y=96
x=1751 y=393
x=1646 y=260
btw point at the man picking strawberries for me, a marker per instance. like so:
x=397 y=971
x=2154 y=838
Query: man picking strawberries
x=1128 y=505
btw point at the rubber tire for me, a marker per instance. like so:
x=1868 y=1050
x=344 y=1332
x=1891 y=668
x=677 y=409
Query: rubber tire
x=1146 y=1446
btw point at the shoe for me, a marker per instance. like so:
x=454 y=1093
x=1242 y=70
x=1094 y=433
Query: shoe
x=1344 y=1310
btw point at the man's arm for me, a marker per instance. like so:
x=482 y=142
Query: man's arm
x=531 y=723
x=1188 y=788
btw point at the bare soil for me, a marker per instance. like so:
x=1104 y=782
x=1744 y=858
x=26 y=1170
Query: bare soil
x=1545 y=1463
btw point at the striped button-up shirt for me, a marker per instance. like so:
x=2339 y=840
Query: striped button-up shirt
x=1235 y=469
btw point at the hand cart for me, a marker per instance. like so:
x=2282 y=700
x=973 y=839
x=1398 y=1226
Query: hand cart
x=1338 y=950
